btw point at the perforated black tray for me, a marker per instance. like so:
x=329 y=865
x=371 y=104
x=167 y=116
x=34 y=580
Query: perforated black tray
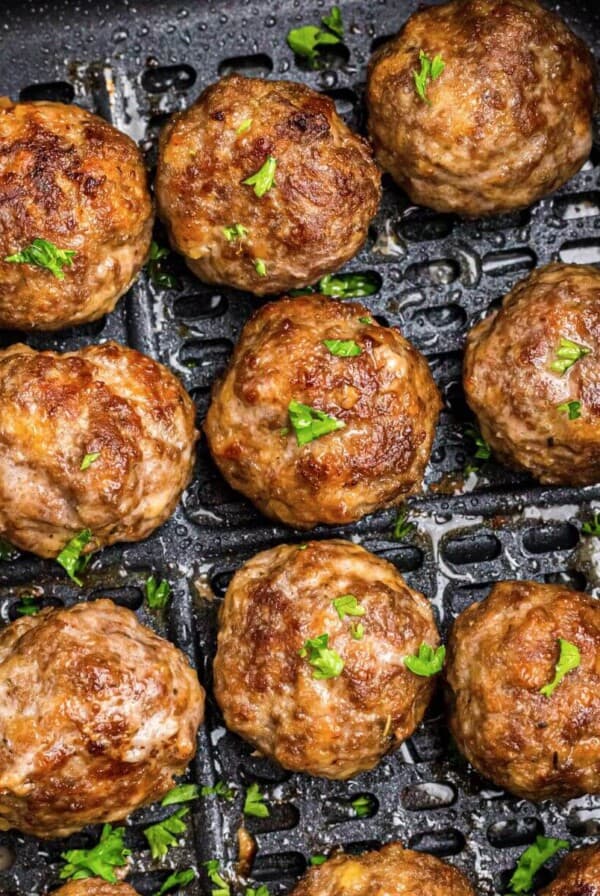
x=135 y=63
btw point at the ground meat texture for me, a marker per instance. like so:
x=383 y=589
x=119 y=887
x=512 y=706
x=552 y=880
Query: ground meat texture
x=385 y=397
x=501 y=652
x=93 y=886
x=521 y=403
x=314 y=217
x=579 y=875
x=392 y=870
x=68 y=177
x=97 y=715
x=107 y=400
x=334 y=727
x=508 y=120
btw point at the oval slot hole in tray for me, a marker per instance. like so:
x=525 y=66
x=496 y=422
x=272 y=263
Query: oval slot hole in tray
x=550 y=537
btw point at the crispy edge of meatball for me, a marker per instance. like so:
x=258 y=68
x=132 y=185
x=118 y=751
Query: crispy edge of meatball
x=94 y=886
x=578 y=874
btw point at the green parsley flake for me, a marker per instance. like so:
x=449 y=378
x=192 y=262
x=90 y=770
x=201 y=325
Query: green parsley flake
x=362 y=806
x=347 y=605
x=163 y=835
x=357 y=631
x=326 y=662
x=254 y=803
x=349 y=286
x=156 y=269
x=71 y=559
x=260 y=891
x=182 y=793
x=430 y=71
x=44 y=254
x=263 y=179
x=402 y=526
x=334 y=21
x=571 y=408
x=89 y=459
x=567 y=354
x=342 y=348
x=221 y=887
x=592 y=527
x=235 y=232
x=157 y=595
x=220 y=789
x=428 y=661
x=28 y=606
x=318 y=859
x=260 y=267
x=568 y=660
x=100 y=860
x=308 y=41
x=177 y=879
x=532 y=860
x=244 y=126
x=365 y=320
x=310 y=423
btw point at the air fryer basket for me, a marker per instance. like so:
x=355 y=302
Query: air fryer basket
x=135 y=63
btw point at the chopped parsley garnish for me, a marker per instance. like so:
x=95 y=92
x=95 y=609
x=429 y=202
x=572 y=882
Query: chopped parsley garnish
x=44 y=254
x=71 y=559
x=347 y=605
x=99 y=861
x=310 y=423
x=334 y=21
x=483 y=452
x=357 y=630
x=571 y=408
x=220 y=789
x=309 y=40
x=428 y=661
x=89 y=459
x=263 y=179
x=365 y=320
x=221 y=887
x=244 y=126
x=254 y=803
x=568 y=660
x=362 y=806
x=342 y=348
x=348 y=286
x=318 y=859
x=592 y=527
x=235 y=232
x=567 y=354
x=28 y=606
x=260 y=267
x=157 y=594
x=162 y=836
x=326 y=662
x=402 y=526
x=259 y=891
x=431 y=69
x=532 y=860
x=182 y=793
x=177 y=879
x=156 y=268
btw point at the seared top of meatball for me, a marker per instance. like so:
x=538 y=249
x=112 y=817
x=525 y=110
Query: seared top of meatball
x=392 y=870
x=578 y=875
x=384 y=399
x=107 y=400
x=97 y=714
x=521 y=374
x=501 y=653
x=68 y=177
x=94 y=886
x=325 y=186
x=268 y=691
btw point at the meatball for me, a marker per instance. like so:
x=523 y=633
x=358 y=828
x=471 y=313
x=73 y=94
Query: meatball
x=310 y=658
x=94 y=886
x=71 y=179
x=100 y=439
x=481 y=106
x=323 y=416
x=392 y=870
x=304 y=215
x=532 y=377
x=579 y=875
x=512 y=714
x=97 y=714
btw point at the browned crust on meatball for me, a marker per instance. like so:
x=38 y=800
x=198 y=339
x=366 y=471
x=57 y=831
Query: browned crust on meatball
x=386 y=398
x=93 y=886
x=335 y=727
x=97 y=715
x=106 y=399
x=392 y=870
x=509 y=119
x=512 y=389
x=71 y=178
x=578 y=875
x=314 y=218
x=501 y=652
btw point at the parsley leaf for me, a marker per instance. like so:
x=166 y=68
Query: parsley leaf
x=357 y=631
x=568 y=660
x=362 y=806
x=100 y=860
x=235 y=232
x=263 y=179
x=44 y=254
x=567 y=354
x=342 y=348
x=71 y=559
x=260 y=891
x=365 y=320
x=244 y=126
x=308 y=41
x=260 y=267
x=402 y=527
x=482 y=449
x=428 y=661
x=181 y=793
x=334 y=21
x=348 y=286
x=156 y=270
x=213 y=870
x=318 y=859
x=220 y=789
x=572 y=408
x=28 y=606
x=592 y=527
x=177 y=879
x=532 y=860
x=89 y=459
x=254 y=803
x=430 y=71
x=347 y=605
x=157 y=595
x=161 y=836
x=310 y=423
x=325 y=661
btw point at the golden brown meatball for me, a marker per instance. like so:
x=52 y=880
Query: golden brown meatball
x=69 y=178
x=97 y=714
x=312 y=218
x=507 y=121
x=501 y=654
x=94 y=886
x=121 y=416
x=532 y=375
x=382 y=399
x=579 y=875
x=392 y=870
x=335 y=706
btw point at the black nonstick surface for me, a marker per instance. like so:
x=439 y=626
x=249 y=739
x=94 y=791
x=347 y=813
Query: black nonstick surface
x=135 y=63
